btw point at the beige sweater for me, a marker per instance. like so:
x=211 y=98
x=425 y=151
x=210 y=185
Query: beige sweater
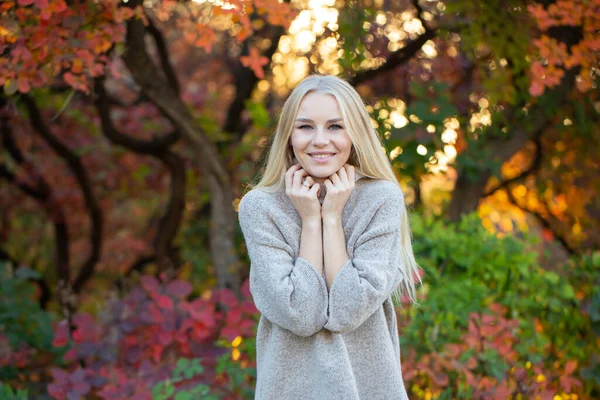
x=312 y=344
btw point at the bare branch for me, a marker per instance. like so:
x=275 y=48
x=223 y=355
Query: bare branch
x=153 y=147
x=546 y=223
x=81 y=176
x=400 y=56
x=245 y=82
x=163 y=53
x=171 y=220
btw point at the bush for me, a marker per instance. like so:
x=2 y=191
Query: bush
x=493 y=322
x=25 y=330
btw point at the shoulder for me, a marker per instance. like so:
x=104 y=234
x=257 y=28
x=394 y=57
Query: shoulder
x=259 y=202
x=379 y=190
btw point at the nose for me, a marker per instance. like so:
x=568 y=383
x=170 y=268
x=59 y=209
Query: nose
x=320 y=137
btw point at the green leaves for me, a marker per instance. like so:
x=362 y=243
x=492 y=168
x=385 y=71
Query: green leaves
x=6 y=393
x=467 y=268
x=24 y=322
x=188 y=368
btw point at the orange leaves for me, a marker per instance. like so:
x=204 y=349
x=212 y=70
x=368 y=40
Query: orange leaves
x=200 y=35
x=486 y=362
x=45 y=39
x=42 y=38
x=555 y=57
x=255 y=62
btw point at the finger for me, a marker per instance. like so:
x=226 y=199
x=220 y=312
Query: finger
x=307 y=182
x=315 y=189
x=297 y=181
x=328 y=185
x=343 y=176
x=289 y=174
x=351 y=173
x=335 y=179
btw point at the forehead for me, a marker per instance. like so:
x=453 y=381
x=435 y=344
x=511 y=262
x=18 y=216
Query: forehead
x=317 y=105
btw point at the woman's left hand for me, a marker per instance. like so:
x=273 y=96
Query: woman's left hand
x=339 y=186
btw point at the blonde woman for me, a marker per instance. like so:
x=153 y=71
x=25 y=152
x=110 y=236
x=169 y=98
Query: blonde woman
x=329 y=244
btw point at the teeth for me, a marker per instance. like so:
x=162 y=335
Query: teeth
x=321 y=155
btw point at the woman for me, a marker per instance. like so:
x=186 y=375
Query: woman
x=329 y=244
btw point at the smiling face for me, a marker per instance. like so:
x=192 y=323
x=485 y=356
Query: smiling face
x=319 y=139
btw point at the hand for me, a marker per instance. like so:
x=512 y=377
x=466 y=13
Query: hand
x=339 y=186
x=303 y=198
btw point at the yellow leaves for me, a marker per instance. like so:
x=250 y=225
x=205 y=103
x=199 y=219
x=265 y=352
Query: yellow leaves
x=77 y=66
x=101 y=45
x=237 y=341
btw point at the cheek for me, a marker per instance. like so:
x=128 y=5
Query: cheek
x=345 y=145
x=297 y=143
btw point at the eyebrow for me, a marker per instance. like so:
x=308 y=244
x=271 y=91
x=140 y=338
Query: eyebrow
x=310 y=120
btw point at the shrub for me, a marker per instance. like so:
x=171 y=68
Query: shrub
x=494 y=322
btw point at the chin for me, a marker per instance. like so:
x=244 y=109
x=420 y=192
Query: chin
x=323 y=172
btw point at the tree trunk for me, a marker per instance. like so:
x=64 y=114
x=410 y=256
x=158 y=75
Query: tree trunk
x=160 y=92
x=221 y=235
x=466 y=195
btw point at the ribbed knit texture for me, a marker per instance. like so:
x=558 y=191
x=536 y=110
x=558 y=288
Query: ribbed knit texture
x=312 y=344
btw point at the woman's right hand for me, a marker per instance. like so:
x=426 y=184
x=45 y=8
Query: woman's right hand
x=303 y=198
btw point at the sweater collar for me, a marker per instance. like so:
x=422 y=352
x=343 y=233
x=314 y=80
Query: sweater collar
x=357 y=175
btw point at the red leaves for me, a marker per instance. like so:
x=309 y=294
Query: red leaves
x=255 y=62
x=69 y=385
x=55 y=33
x=56 y=36
x=144 y=333
x=179 y=289
x=61 y=334
x=474 y=362
x=556 y=57
x=149 y=284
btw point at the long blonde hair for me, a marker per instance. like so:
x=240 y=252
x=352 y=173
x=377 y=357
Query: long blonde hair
x=367 y=155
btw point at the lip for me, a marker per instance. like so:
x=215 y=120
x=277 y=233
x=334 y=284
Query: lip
x=321 y=160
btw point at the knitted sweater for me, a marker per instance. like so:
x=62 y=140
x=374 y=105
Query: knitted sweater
x=315 y=344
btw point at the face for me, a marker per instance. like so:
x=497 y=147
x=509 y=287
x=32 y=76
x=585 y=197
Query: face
x=319 y=139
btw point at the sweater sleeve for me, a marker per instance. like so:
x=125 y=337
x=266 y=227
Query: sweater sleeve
x=287 y=291
x=366 y=280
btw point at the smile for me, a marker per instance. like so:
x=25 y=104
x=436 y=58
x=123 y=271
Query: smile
x=322 y=157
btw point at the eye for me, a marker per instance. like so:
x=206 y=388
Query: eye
x=336 y=127
x=304 y=126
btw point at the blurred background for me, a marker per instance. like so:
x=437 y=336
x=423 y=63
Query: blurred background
x=131 y=129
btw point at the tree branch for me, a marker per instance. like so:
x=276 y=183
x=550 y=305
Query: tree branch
x=535 y=164
x=562 y=240
x=166 y=99
x=245 y=82
x=171 y=220
x=163 y=53
x=77 y=168
x=398 y=57
x=151 y=147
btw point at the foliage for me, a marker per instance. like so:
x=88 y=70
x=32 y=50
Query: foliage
x=7 y=393
x=493 y=322
x=25 y=329
x=133 y=347
x=497 y=36
x=428 y=113
x=555 y=57
x=133 y=344
x=44 y=39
